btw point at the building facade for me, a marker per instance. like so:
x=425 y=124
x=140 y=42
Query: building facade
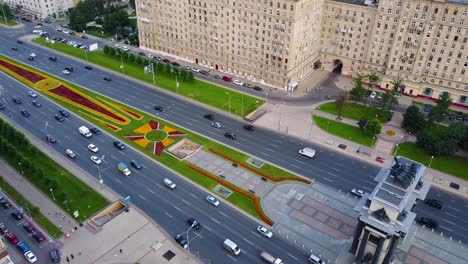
x=41 y=9
x=280 y=42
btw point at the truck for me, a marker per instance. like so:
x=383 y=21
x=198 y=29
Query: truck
x=85 y=131
x=307 y=152
x=269 y=258
x=124 y=169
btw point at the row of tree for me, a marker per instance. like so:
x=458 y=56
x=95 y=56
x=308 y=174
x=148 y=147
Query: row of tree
x=447 y=144
x=159 y=67
x=360 y=94
x=5 y=11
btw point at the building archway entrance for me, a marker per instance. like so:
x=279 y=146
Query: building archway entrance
x=337 y=66
x=317 y=65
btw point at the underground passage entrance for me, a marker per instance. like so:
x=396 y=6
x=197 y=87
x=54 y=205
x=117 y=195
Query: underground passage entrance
x=337 y=66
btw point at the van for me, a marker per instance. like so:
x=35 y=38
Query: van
x=315 y=260
x=307 y=152
x=227 y=79
x=231 y=247
x=169 y=183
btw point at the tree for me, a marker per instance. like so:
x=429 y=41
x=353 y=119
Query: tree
x=106 y=50
x=425 y=141
x=175 y=71
x=413 y=120
x=6 y=11
x=159 y=67
x=456 y=131
x=133 y=39
x=373 y=127
x=183 y=75
x=99 y=20
x=439 y=111
x=77 y=21
x=387 y=100
x=358 y=93
x=115 y=20
x=138 y=60
x=125 y=56
x=112 y=51
x=341 y=102
x=131 y=57
x=167 y=69
x=373 y=77
x=132 y=3
x=190 y=77
x=396 y=84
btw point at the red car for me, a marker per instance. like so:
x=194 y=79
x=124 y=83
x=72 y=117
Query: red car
x=38 y=236
x=28 y=227
x=12 y=238
x=227 y=79
x=166 y=61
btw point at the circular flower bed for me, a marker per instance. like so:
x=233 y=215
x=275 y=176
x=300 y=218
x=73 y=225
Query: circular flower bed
x=390 y=133
x=156 y=135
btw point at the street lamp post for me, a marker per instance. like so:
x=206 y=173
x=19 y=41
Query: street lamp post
x=52 y=192
x=188 y=241
x=101 y=181
x=19 y=163
x=430 y=162
x=228 y=93
x=121 y=61
x=409 y=135
x=373 y=141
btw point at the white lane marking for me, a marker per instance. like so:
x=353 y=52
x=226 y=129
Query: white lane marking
x=67 y=137
x=339 y=164
x=452 y=223
x=298 y=161
x=248 y=241
x=188 y=123
x=101 y=140
x=177 y=208
x=453 y=208
x=168 y=214
x=270 y=150
x=265 y=153
x=327 y=179
x=214 y=220
x=449 y=214
x=118 y=181
x=295 y=166
x=147 y=107
x=142 y=197
x=149 y=190
x=112 y=156
x=193 y=196
x=450 y=230
x=278 y=141
x=123 y=153
x=293 y=256
x=255 y=233
x=209 y=229
x=186 y=202
x=160 y=186
x=275 y=146
x=232 y=258
x=222 y=213
x=332 y=174
x=336 y=169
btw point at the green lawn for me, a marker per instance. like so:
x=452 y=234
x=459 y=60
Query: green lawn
x=97 y=32
x=8 y=23
x=207 y=93
x=456 y=166
x=356 y=111
x=345 y=131
x=36 y=214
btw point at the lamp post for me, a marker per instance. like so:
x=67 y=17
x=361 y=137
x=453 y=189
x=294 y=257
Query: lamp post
x=188 y=241
x=4 y=16
x=121 y=61
x=52 y=192
x=229 y=100
x=21 y=168
x=430 y=162
x=101 y=181
x=409 y=135
x=373 y=141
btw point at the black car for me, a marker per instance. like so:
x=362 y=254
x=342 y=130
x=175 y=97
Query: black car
x=36 y=103
x=17 y=99
x=209 y=116
x=59 y=118
x=258 y=88
x=25 y=113
x=5 y=203
x=459 y=116
x=246 y=85
x=230 y=135
x=429 y=222
x=19 y=42
x=119 y=144
x=51 y=139
x=31 y=58
x=249 y=128
x=95 y=130
x=2 y=105
x=158 y=108
x=451 y=116
x=53 y=58
x=17 y=215
x=54 y=255
x=142 y=54
x=194 y=223
x=70 y=69
x=434 y=203
x=15 y=48
x=3 y=229
x=204 y=72
x=136 y=164
x=175 y=64
x=107 y=79
x=88 y=67
x=64 y=113
x=181 y=241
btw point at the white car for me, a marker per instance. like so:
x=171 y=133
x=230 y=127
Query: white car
x=169 y=183
x=93 y=148
x=66 y=32
x=32 y=54
x=66 y=72
x=37 y=27
x=124 y=48
x=216 y=124
x=150 y=56
x=188 y=68
x=37 y=31
x=96 y=160
x=357 y=192
x=372 y=95
x=70 y=153
x=30 y=257
x=237 y=82
x=212 y=200
x=195 y=70
x=32 y=94
x=265 y=231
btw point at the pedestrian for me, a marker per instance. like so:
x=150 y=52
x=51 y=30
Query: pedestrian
x=68 y=260
x=121 y=252
x=72 y=256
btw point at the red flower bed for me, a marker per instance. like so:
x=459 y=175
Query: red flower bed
x=176 y=134
x=30 y=76
x=255 y=199
x=259 y=172
x=79 y=99
x=137 y=116
x=158 y=148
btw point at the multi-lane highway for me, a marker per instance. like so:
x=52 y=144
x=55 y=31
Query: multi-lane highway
x=329 y=167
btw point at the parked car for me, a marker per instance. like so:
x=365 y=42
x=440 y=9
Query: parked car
x=434 y=203
x=95 y=130
x=38 y=236
x=195 y=70
x=230 y=135
x=3 y=229
x=158 y=108
x=216 y=124
x=451 y=117
x=142 y=54
x=258 y=88
x=246 y=85
x=36 y=103
x=237 y=82
x=51 y=139
x=175 y=64
x=209 y=116
x=357 y=192
x=54 y=255
x=107 y=79
x=17 y=215
x=59 y=118
x=25 y=113
x=166 y=61
x=264 y=231
x=30 y=257
x=181 y=241
x=429 y=222
x=64 y=113
x=212 y=200
x=12 y=238
x=217 y=77
x=136 y=164
x=29 y=228
x=22 y=246
x=227 y=79
x=5 y=203
x=427 y=108
x=70 y=153
x=194 y=223
x=119 y=145
x=249 y=128
x=459 y=116
x=204 y=72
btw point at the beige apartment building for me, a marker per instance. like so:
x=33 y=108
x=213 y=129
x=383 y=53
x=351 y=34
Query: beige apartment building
x=280 y=42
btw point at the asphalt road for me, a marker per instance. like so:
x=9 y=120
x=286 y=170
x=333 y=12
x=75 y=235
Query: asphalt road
x=329 y=167
x=170 y=208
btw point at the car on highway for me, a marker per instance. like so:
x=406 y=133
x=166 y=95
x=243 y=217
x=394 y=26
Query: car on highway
x=107 y=79
x=216 y=125
x=237 y=82
x=96 y=160
x=434 y=203
x=212 y=200
x=119 y=145
x=38 y=236
x=53 y=58
x=70 y=153
x=158 y=108
x=169 y=183
x=64 y=113
x=12 y=238
x=136 y=164
x=209 y=116
x=59 y=118
x=36 y=103
x=429 y=222
x=17 y=100
x=249 y=128
x=70 y=69
x=19 y=42
x=194 y=223
x=88 y=67
x=25 y=113
x=5 y=203
x=315 y=260
x=264 y=231
x=357 y=192
x=230 y=135
x=30 y=257
x=29 y=228
x=32 y=55
x=180 y=239
x=93 y=148
x=51 y=139
x=95 y=130
x=3 y=229
x=32 y=94
x=54 y=255
x=66 y=72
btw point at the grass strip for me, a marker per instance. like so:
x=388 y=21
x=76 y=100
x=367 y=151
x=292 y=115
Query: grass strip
x=356 y=111
x=342 y=130
x=36 y=214
x=9 y=23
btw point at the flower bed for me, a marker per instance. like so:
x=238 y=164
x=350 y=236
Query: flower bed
x=21 y=72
